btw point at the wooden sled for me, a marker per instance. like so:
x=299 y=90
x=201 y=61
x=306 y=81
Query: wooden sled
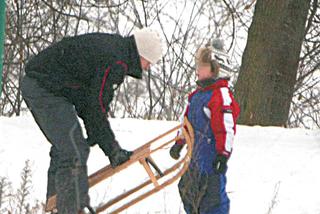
x=143 y=156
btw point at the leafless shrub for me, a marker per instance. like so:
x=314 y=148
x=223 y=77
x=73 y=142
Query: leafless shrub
x=18 y=201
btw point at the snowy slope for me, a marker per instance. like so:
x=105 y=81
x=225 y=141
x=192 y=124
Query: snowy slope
x=268 y=164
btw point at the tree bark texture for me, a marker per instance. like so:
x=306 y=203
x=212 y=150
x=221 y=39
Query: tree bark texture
x=270 y=61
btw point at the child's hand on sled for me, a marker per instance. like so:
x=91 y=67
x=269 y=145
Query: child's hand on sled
x=175 y=151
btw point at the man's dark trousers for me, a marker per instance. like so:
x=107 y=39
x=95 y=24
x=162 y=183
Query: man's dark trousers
x=57 y=119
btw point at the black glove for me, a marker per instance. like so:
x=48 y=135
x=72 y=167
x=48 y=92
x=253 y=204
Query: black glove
x=119 y=157
x=175 y=151
x=220 y=164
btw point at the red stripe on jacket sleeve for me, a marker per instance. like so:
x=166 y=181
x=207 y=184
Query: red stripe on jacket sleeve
x=106 y=73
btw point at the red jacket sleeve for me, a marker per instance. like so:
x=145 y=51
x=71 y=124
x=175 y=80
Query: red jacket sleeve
x=224 y=113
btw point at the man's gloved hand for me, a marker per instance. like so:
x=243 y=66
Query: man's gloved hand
x=119 y=157
x=220 y=164
x=175 y=151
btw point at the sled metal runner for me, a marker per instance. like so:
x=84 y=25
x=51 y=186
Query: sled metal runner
x=143 y=156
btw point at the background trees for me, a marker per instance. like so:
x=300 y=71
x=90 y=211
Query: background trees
x=184 y=26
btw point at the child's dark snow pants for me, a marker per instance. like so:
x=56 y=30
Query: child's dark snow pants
x=203 y=193
x=67 y=174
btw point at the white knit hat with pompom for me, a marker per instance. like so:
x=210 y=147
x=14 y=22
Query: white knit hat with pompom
x=149 y=44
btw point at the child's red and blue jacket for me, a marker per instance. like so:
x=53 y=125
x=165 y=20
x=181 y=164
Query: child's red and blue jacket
x=212 y=111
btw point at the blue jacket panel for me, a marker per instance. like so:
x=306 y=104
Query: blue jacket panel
x=204 y=150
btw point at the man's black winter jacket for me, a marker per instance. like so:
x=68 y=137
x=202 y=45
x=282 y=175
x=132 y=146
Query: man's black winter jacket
x=86 y=69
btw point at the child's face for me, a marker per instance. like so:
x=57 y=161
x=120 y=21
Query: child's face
x=204 y=72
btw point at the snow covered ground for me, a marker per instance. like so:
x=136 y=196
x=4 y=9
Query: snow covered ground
x=270 y=166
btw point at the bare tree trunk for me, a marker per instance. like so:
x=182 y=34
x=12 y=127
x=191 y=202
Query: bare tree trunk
x=270 y=61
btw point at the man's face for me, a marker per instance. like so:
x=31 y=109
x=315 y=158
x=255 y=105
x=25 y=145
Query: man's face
x=145 y=64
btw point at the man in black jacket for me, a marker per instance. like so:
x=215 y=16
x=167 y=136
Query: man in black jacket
x=77 y=77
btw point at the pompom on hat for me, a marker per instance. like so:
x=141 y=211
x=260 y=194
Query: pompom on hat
x=148 y=44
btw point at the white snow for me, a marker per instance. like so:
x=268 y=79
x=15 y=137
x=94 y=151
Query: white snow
x=268 y=164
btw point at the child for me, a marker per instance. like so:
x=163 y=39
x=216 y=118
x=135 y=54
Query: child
x=212 y=111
